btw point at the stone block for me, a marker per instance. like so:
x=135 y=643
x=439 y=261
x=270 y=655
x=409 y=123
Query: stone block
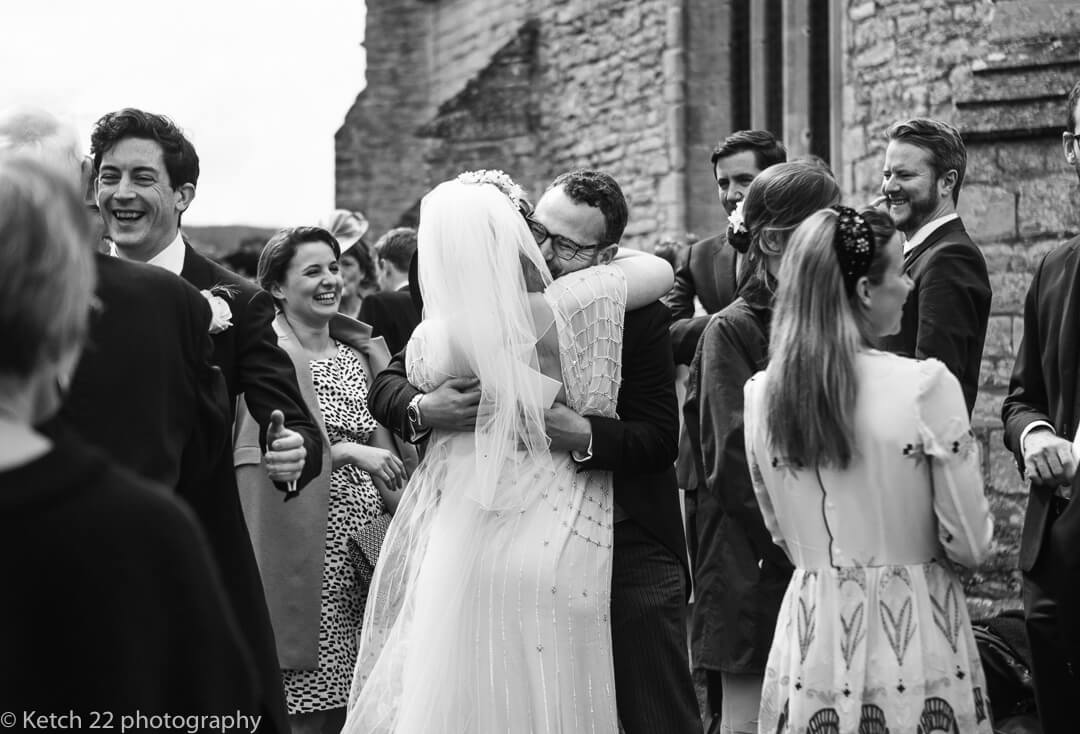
x=877 y=54
x=862 y=11
x=1009 y=289
x=989 y=212
x=1002 y=475
x=987 y=413
x=999 y=338
x=982 y=165
x=1046 y=206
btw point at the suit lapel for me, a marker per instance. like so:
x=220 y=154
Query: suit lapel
x=196 y=268
x=936 y=236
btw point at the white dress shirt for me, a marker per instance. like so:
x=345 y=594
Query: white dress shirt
x=171 y=258
x=926 y=230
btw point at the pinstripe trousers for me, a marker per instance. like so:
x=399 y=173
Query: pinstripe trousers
x=653 y=688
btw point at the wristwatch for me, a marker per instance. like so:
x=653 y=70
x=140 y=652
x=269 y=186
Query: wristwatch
x=413 y=413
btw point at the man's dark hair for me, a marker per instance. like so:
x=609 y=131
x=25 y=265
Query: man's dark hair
x=940 y=139
x=181 y=160
x=598 y=189
x=1074 y=99
x=397 y=247
x=768 y=151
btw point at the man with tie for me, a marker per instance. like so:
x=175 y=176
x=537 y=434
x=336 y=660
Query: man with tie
x=946 y=314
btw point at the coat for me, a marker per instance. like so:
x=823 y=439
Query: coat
x=946 y=313
x=290 y=538
x=741 y=575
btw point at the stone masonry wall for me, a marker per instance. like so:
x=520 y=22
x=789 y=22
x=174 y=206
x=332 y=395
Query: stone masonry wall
x=907 y=59
x=596 y=98
x=638 y=89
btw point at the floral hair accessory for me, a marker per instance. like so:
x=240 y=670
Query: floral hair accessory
x=854 y=245
x=499 y=180
x=737 y=234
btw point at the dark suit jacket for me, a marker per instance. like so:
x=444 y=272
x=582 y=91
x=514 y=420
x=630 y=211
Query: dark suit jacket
x=1044 y=380
x=1044 y=388
x=391 y=315
x=709 y=274
x=248 y=355
x=640 y=446
x=138 y=595
x=145 y=391
x=946 y=313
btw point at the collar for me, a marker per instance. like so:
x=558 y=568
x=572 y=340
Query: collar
x=926 y=230
x=171 y=258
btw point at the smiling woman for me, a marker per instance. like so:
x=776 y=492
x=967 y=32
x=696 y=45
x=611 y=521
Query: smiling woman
x=317 y=605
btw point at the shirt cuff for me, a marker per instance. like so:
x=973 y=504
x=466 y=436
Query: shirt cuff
x=1031 y=427
x=416 y=436
x=582 y=456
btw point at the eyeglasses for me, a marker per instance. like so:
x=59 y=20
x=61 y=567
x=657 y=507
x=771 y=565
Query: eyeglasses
x=563 y=247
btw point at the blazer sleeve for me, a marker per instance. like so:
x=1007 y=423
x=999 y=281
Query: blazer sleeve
x=685 y=335
x=390 y=395
x=645 y=436
x=954 y=308
x=680 y=300
x=1027 y=400
x=268 y=382
x=724 y=368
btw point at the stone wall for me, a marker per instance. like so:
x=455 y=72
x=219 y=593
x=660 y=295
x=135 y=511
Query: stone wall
x=642 y=89
x=533 y=90
x=998 y=71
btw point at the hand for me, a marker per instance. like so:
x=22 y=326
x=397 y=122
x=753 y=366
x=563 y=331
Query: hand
x=285 y=452
x=1048 y=458
x=567 y=430
x=381 y=464
x=452 y=405
x=878 y=203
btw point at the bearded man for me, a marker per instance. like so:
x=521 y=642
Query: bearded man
x=946 y=314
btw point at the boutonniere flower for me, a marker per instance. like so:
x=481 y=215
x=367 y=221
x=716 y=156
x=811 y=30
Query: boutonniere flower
x=738 y=234
x=220 y=313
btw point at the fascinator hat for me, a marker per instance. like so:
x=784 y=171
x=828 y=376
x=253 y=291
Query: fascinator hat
x=346 y=226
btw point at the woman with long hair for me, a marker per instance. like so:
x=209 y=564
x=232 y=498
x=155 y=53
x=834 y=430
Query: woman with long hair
x=741 y=575
x=869 y=480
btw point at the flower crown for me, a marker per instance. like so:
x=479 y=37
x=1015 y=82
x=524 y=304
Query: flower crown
x=737 y=234
x=499 y=180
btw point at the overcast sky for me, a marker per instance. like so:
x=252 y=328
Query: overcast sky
x=259 y=88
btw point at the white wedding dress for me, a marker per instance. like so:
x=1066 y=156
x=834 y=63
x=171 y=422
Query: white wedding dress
x=490 y=615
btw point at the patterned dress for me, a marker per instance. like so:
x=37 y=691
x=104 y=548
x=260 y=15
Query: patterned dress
x=873 y=634
x=341 y=389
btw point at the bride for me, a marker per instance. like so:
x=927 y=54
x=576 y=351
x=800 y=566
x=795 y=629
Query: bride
x=489 y=607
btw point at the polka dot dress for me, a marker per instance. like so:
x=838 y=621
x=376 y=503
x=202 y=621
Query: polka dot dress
x=341 y=389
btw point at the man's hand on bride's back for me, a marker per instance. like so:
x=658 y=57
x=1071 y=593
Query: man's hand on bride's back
x=452 y=405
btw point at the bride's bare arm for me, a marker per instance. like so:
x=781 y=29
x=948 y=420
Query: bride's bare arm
x=647 y=276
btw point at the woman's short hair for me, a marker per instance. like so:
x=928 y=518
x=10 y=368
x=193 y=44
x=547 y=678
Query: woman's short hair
x=281 y=249
x=47 y=273
x=779 y=199
x=817 y=329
